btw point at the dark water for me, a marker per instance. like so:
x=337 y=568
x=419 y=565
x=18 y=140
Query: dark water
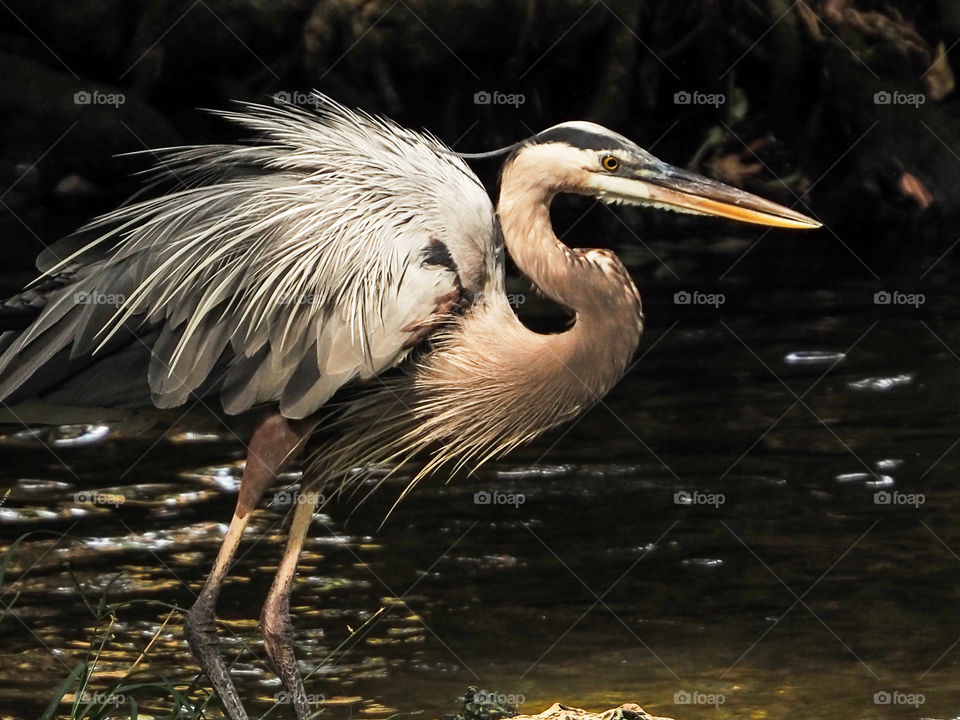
x=788 y=588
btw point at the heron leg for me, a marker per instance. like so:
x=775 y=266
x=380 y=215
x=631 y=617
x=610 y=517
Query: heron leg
x=274 y=441
x=275 y=618
x=200 y=623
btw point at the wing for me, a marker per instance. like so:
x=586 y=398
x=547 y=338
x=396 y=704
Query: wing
x=275 y=273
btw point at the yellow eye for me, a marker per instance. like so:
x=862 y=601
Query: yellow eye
x=610 y=163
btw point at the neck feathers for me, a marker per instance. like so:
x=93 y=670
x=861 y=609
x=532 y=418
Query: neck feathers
x=487 y=383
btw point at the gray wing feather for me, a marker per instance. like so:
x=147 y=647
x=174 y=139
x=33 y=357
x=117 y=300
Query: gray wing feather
x=290 y=268
x=114 y=381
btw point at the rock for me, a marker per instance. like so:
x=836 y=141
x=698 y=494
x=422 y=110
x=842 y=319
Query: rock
x=627 y=711
x=491 y=705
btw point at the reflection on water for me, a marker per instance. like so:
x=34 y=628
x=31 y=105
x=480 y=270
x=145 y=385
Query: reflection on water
x=763 y=512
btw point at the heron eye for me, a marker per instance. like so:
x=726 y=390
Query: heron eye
x=610 y=163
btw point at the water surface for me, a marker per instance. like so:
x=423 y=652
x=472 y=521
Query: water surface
x=713 y=527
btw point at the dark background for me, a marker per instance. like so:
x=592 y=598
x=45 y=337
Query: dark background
x=717 y=401
x=799 y=121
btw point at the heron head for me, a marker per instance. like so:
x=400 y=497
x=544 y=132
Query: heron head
x=587 y=159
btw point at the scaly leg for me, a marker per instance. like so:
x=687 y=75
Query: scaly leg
x=274 y=441
x=275 y=618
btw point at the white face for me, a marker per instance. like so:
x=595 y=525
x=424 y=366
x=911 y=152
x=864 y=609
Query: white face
x=586 y=159
x=611 y=174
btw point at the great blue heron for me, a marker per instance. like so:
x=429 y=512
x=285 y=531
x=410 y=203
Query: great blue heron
x=339 y=246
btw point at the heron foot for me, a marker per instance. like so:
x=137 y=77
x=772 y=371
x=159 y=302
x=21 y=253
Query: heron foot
x=200 y=628
x=275 y=617
x=278 y=640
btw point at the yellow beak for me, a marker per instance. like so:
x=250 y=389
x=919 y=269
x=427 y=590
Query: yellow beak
x=673 y=188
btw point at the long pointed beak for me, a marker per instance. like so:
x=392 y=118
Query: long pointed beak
x=677 y=189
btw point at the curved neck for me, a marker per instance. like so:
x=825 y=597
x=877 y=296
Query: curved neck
x=594 y=284
x=491 y=383
x=524 y=213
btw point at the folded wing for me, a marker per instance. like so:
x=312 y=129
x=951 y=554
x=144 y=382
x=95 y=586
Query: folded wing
x=272 y=273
